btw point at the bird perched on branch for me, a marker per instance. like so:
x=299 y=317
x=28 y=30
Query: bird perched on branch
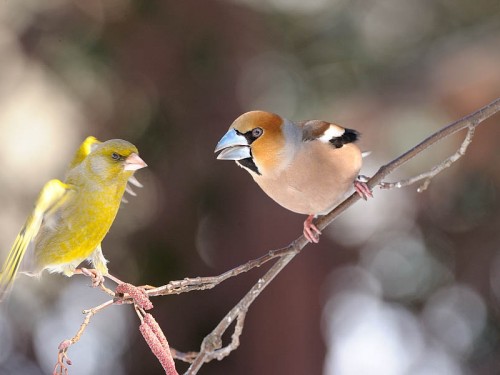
x=306 y=167
x=71 y=218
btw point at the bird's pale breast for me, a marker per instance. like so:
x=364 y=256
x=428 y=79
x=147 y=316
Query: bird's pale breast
x=317 y=179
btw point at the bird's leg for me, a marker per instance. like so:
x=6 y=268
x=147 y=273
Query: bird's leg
x=311 y=232
x=362 y=188
x=95 y=275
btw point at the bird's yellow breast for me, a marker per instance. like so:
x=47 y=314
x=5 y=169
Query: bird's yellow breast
x=77 y=228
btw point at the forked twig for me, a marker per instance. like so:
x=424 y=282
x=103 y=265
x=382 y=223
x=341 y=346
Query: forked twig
x=427 y=176
x=61 y=367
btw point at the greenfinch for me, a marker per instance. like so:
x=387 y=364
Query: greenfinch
x=71 y=218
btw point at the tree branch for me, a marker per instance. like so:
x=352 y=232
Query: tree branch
x=211 y=343
x=211 y=347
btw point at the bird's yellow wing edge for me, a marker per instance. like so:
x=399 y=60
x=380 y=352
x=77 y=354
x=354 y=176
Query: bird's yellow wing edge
x=49 y=198
x=88 y=145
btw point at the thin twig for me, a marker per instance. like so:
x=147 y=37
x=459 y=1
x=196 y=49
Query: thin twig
x=204 y=283
x=187 y=357
x=427 y=176
x=131 y=294
x=62 y=358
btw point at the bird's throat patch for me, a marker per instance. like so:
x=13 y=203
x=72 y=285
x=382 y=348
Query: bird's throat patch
x=249 y=164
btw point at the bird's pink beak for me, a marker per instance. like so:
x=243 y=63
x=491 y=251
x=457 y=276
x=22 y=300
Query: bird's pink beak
x=134 y=162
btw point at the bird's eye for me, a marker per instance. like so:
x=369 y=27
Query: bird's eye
x=257 y=132
x=115 y=156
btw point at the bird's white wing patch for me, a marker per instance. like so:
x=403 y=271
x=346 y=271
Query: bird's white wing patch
x=333 y=131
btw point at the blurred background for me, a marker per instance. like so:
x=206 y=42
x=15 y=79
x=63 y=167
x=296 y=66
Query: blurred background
x=406 y=283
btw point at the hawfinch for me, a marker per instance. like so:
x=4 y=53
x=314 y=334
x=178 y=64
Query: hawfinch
x=307 y=167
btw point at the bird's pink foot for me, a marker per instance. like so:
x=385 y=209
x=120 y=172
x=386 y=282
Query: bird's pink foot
x=311 y=232
x=362 y=188
x=96 y=276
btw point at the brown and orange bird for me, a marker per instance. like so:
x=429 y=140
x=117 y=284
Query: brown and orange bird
x=307 y=167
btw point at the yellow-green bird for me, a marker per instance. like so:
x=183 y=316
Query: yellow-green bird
x=85 y=148
x=71 y=218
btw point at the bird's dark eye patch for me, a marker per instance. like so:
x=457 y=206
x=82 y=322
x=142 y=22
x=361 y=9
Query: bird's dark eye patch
x=257 y=132
x=251 y=135
x=116 y=156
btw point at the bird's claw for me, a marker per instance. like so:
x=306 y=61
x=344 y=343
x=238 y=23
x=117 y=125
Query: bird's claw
x=311 y=232
x=96 y=277
x=362 y=188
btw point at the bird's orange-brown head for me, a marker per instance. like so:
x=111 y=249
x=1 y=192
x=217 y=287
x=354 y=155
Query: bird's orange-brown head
x=257 y=141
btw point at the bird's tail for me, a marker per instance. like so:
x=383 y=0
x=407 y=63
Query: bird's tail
x=49 y=199
x=13 y=261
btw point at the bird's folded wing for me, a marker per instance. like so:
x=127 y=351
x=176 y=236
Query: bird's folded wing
x=49 y=199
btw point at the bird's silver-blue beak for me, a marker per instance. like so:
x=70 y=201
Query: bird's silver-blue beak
x=233 y=146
